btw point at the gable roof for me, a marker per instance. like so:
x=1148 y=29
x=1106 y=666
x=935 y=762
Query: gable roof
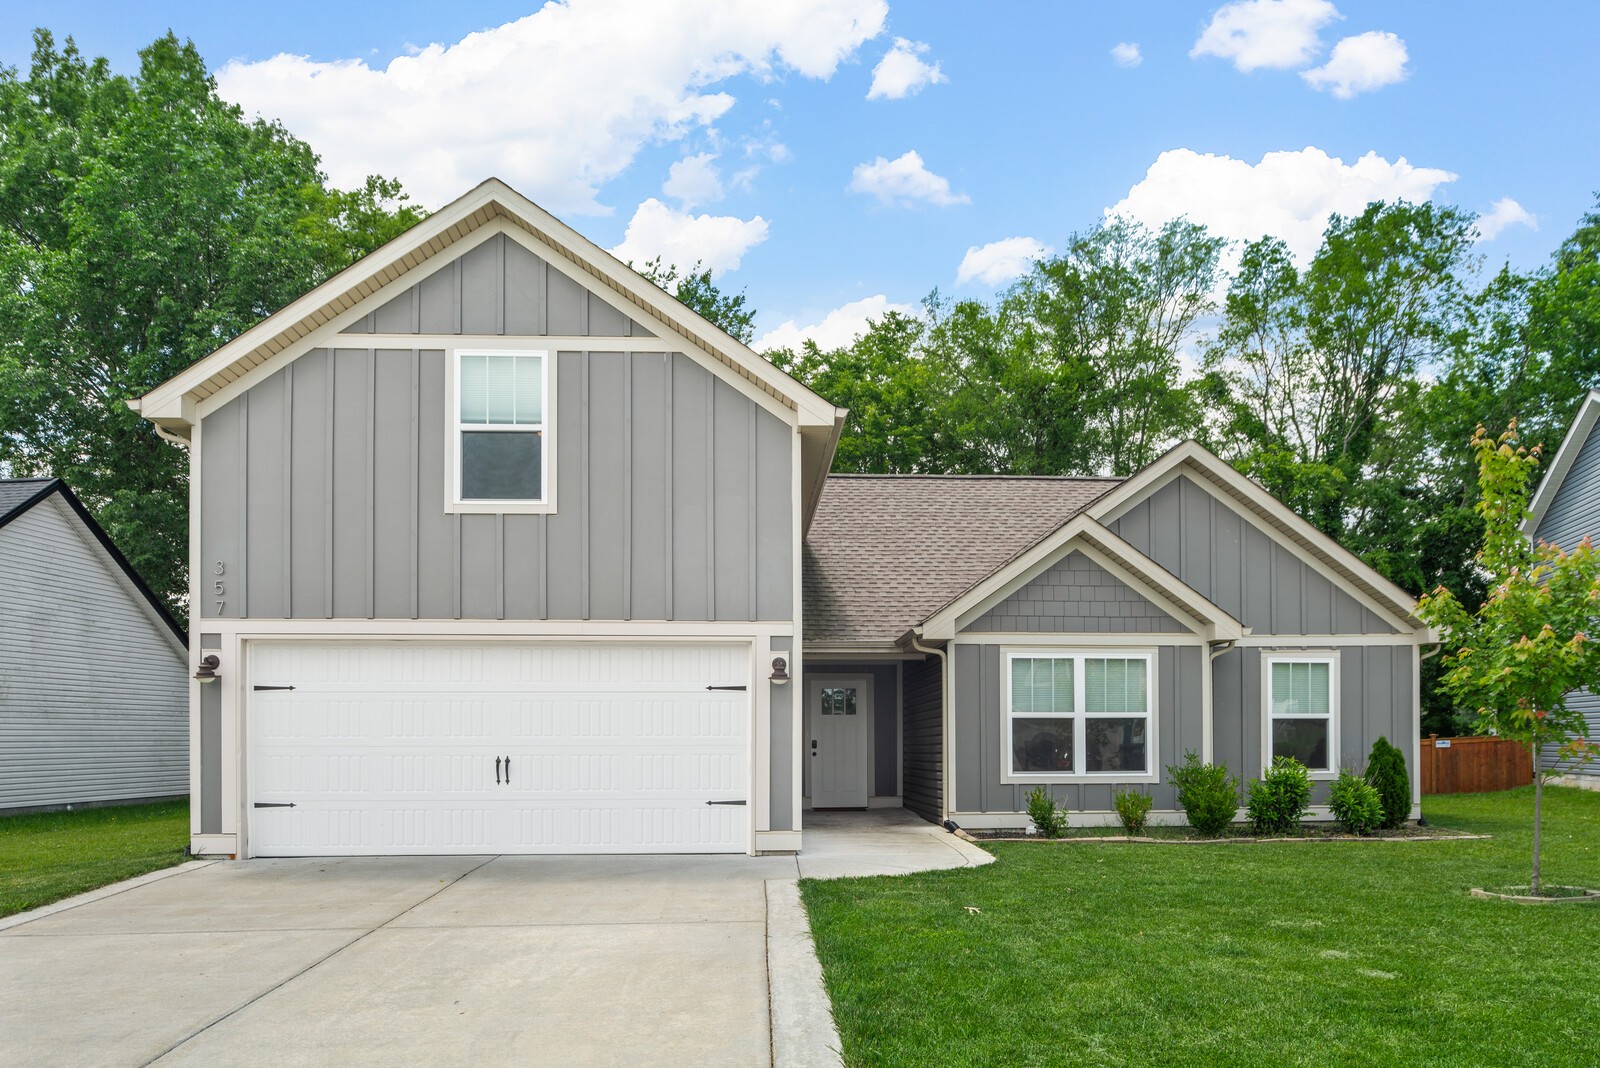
x=885 y=551
x=1561 y=463
x=491 y=200
x=18 y=496
x=1252 y=499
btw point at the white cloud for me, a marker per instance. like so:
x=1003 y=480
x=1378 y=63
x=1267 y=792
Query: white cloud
x=1288 y=194
x=1503 y=213
x=837 y=329
x=716 y=242
x=1127 y=54
x=694 y=180
x=1279 y=34
x=557 y=103
x=902 y=72
x=904 y=181
x=1360 y=64
x=999 y=262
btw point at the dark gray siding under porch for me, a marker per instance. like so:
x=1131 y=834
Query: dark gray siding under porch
x=922 y=763
x=1239 y=567
x=323 y=491
x=1076 y=595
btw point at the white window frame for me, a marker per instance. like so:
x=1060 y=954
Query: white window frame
x=454 y=427
x=1080 y=715
x=1331 y=658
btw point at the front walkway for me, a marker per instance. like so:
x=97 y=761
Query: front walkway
x=448 y=960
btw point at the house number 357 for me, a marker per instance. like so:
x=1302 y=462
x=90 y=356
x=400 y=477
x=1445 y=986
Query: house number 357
x=218 y=590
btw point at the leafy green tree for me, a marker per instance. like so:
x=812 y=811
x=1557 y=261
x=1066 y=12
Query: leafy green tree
x=697 y=292
x=1515 y=659
x=143 y=223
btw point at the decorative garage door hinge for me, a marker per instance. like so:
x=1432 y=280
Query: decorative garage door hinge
x=724 y=687
x=725 y=802
x=274 y=804
x=273 y=687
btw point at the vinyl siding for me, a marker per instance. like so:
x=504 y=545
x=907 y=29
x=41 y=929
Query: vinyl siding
x=1076 y=595
x=923 y=759
x=324 y=486
x=1589 y=704
x=498 y=288
x=93 y=695
x=1239 y=567
x=1575 y=512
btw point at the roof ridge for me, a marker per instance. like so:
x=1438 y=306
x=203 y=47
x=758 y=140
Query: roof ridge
x=920 y=476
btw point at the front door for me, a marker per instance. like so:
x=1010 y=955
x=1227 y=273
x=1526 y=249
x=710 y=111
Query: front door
x=840 y=715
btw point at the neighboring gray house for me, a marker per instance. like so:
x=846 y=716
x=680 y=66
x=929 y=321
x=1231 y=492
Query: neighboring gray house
x=1565 y=510
x=499 y=548
x=93 y=696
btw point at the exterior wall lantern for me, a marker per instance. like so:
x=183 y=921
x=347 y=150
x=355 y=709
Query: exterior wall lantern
x=208 y=667
x=780 y=671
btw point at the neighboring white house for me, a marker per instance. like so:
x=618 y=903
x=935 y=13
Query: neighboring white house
x=93 y=690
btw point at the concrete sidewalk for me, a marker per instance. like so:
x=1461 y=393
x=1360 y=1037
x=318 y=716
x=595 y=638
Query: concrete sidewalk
x=446 y=960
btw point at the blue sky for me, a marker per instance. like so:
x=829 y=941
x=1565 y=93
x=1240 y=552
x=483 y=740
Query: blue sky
x=1253 y=117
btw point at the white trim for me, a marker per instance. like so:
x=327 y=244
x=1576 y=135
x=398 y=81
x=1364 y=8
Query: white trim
x=1084 y=533
x=511 y=629
x=1565 y=456
x=1329 y=657
x=1346 y=570
x=453 y=501
x=214 y=845
x=1079 y=716
x=1323 y=641
x=777 y=842
x=1073 y=641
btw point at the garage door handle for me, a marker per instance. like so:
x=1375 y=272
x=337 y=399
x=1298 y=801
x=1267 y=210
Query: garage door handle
x=274 y=804
x=497 y=771
x=724 y=687
x=508 y=771
x=724 y=802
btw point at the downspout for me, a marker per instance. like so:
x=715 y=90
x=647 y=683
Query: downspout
x=947 y=724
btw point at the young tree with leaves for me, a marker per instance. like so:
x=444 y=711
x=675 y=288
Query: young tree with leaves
x=1514 y=661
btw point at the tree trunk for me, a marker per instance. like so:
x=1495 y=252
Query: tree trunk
x=1538 y=812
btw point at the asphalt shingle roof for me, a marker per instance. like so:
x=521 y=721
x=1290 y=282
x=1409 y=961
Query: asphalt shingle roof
x=16 y=492
x=885 y=551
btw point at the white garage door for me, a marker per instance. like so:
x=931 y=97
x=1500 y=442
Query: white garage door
x=406 y=747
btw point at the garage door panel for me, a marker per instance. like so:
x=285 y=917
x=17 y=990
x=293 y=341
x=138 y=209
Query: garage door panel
x=392 y=747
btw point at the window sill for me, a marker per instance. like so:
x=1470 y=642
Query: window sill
x=1109 y=778
x=500 y=507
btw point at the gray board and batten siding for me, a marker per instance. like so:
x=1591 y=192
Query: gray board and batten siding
x=94 y=696
x=1076 y=595
x=1238 y=566
x=922 y=755
x=323 y=496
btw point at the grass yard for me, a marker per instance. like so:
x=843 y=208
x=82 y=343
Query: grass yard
x=1322 y=953
x=49 y=856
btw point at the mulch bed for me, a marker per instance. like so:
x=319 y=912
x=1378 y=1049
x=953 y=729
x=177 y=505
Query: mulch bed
x=1309 y=832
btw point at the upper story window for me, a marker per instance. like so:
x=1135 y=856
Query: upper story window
x=501 y=441
x=1080 y=714
x=1302 y=711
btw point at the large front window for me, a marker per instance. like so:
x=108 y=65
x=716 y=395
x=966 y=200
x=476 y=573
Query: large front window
x=501 y=443
x=1079 y=714
x=1301 y=711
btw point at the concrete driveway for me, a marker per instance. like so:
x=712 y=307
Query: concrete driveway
x=449 y=960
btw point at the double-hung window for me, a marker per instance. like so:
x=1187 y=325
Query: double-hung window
x=1071 y=714
x=1302 y=710
x=500 y=444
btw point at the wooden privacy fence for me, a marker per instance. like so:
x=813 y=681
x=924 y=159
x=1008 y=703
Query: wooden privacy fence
x=1473 y=765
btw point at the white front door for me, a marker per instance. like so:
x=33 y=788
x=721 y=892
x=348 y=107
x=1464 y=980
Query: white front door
x=840 y=712
x=497 y=747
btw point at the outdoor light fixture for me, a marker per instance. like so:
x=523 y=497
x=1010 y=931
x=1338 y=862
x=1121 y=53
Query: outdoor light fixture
x=780 y=671
x=208 y=667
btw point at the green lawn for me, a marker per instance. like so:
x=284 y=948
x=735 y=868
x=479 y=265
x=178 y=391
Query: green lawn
x=47 y=857
x=1316 y=953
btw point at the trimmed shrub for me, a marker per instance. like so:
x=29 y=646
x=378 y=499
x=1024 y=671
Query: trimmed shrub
x=1355 y=803
x=1208 y=794
x=1049 y=818
x=1133 y=808
x=1386 y=771
x=1280 y=798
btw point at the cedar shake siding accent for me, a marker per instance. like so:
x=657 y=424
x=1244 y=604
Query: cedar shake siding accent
x=1076 y=595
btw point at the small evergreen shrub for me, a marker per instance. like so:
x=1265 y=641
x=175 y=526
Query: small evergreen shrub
x=1049 y=819
x=1208 y=795
x=1133 y=808
x=1355 y=803
x=1280 y=798
x=1386 y=771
